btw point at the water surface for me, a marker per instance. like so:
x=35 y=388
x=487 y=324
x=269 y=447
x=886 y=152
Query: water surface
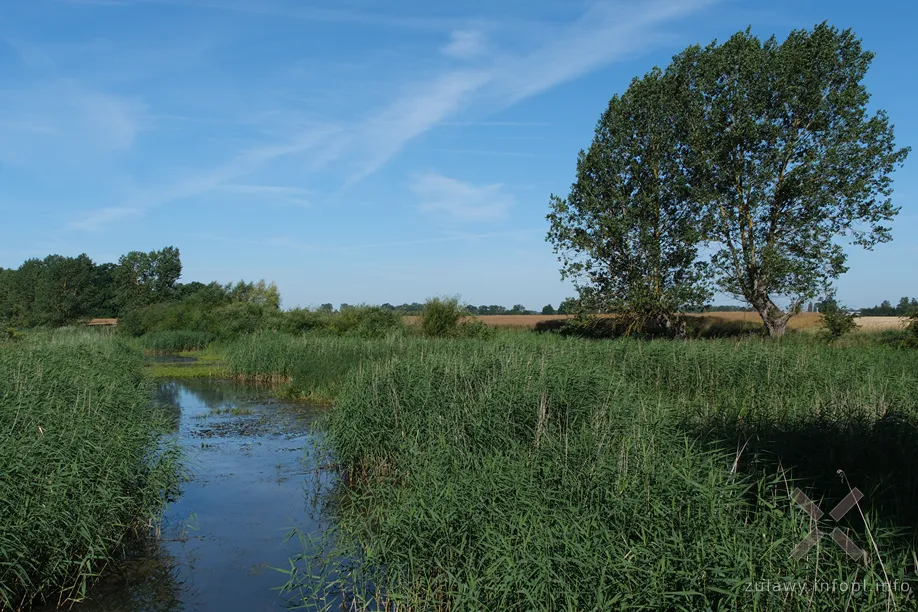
x=252 y=481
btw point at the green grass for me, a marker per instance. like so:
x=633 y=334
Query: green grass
x=175 y=341
x=544 y=473
x=309 y=367
x=84 y=470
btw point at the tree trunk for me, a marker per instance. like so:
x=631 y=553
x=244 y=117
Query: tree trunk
x=776 y=326
x=774 y=318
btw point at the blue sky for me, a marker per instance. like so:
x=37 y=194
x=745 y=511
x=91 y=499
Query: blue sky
x=357 y=151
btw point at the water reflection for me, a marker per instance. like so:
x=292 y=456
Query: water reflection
x=225 y=533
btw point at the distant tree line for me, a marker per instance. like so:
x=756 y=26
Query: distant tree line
x=59 y=290
x=142 y=290
x=905 y=308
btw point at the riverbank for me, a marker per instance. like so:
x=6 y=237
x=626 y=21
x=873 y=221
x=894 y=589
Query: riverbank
x=85 y=466
x=533 y=471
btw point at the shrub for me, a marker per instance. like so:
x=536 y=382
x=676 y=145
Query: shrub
x=441 y=316
x=836 y=321
x=366 y=322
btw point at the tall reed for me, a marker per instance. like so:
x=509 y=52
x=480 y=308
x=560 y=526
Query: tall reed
x=83 y=466
x=549 y=474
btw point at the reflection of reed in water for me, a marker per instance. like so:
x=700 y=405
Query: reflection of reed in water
x=145 y=580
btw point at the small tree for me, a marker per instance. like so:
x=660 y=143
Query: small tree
x=441 y=317
x=836 y=320
x=548 y=309
x=628 y=232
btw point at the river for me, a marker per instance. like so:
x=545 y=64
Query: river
x=252 y=479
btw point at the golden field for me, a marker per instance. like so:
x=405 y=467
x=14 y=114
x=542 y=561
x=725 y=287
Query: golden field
x=805 y=320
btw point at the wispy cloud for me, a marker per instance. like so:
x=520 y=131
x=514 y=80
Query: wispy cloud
x=98 y=218
x=286 y=195
x=488 y=152
x=461 y=201
x=465 y=44
x=289 y=242
x=605 y=32
x=63 y=121
x=290 y=10
x=221 y=177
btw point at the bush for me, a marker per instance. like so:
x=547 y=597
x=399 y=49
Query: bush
x=836 y=321
x=441 y=316
x=473 y=327
x=366 y=322
x=911 y=338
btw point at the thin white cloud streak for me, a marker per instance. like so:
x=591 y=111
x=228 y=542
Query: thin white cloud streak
x=489 y=152
x=460 y=201
x=99 y=218
x=199 y=183
x=67 y=123
x=605 y=33
x=292 y=243
x=465 y=44
x=298 y=11
x=284 y=195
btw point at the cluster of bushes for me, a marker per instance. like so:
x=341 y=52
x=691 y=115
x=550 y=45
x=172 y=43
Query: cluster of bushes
x=696 y=327
x=214 y=312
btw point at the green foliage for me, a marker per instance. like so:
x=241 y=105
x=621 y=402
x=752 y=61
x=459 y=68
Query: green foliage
x=84 y=467
x=441 y=316
x=911 y=336
x=175 y=341
x=312 y=366
x=628 y=232
x=55 y=291
x=836 y=320
x=541 y=473
x=142 y=278
x=366 y=322
x=766 y=152
x=570 y=306
x=473 y=327
x=813 y=165
x=906 y=307
x=548 y=309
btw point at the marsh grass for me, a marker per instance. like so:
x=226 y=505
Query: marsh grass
x=175 y=341
x=85 y=470
x=549 y=473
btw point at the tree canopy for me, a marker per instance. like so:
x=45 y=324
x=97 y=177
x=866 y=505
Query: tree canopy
x=761 y=155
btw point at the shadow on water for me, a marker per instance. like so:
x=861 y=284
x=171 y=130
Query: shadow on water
x=252 y=481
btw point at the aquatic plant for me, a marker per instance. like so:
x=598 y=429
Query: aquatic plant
x=84 y=469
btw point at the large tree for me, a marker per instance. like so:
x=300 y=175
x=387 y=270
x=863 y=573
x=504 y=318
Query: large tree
x=147 y=278
x=65 y=290
x=762 y=152
x=628 y=232
x=787 y=161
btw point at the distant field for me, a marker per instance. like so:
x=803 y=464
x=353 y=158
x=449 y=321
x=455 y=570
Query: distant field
x=805 y=320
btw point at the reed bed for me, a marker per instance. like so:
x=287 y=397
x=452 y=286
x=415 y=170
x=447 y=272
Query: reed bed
x=175 y=341
x=548 y=473
x=84 y=469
